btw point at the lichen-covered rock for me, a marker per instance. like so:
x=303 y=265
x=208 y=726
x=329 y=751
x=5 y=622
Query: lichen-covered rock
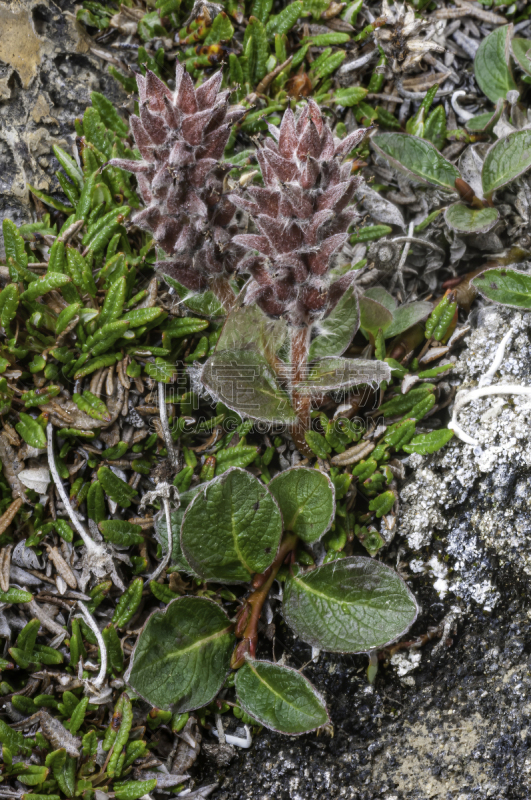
x=475 y=498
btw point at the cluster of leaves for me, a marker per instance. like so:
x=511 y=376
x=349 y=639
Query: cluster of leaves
x=505 y=160
x=268 y=58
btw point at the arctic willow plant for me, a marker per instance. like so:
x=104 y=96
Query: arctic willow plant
x=235 y=530
x=302 y=215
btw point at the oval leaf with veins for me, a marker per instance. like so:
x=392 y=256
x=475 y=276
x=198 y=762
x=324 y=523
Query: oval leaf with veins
x=280 y=698
x=507 y=159
x=417 y=158
x=522 y=51
x=348 y=606
x=508 y=287
x=307 y=501
x=182 y=656
x=491 y=64
x=232 y=528
x=463 y=219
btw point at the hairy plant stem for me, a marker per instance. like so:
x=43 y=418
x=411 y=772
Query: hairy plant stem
x=223 y=291
x=299 y=348
x=252 y=610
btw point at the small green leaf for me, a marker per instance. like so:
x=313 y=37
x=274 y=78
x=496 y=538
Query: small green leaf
x=337 y=330
x=417 y=158
x=406 y=316
x=505 y=286
x=279 y=697
x=463 y=219
x=244 y=382
x=307 y=501
x=374 y=315
x=349 y=96
x=108 y=114
x=92 y=406
x=491 y=64
x=348 y=606
x=507 y=159
x=521 y=49
x=426 y=443
x=31 y=431
x=119 y=531
x=133 y=790
x=117 y=489
x=232 y=528
x=182 y=655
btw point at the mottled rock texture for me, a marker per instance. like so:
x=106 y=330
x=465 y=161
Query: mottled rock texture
x=46 y=76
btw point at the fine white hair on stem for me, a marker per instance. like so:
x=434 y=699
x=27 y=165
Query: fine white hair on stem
x=172 y=454
x=90 y=544
x=465 y=397
x=486 y=379
x=166 y=560
x=101 y=644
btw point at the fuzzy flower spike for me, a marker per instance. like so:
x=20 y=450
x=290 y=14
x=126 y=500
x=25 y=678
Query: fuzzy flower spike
x=302 y=216
x=181 y=136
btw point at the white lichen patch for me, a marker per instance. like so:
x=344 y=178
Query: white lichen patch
x=476 y=499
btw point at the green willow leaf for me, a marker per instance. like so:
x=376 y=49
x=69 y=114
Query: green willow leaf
x=374 y=315
x=417 y=158
x=280 y=698
x=331 y=374
x=348 y=606
x=507 y=159
x=232 y=528
x=521 y=49
x=406 y=316
x=183 y=655
x=508 y=287
x=307 y=501
x=244 y=382
x=337 y=330
x=463 y=219
x=491 y=64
